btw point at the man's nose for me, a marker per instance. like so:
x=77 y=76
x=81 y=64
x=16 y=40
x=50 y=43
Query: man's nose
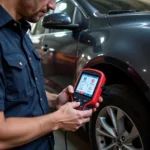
x=52 y=5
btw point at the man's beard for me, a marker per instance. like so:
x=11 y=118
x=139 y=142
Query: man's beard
x=33 y=19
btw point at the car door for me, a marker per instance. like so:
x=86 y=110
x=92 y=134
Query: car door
x=59 y=59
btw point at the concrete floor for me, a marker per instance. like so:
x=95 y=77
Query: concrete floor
x=75 y=140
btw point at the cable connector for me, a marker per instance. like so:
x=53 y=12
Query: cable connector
x=105 y=90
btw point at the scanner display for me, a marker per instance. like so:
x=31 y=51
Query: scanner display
x=87 y=84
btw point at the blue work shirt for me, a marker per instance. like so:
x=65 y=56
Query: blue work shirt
x=22 y=91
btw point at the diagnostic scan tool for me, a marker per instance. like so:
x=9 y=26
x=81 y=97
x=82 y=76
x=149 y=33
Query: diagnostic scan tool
x=88 y=88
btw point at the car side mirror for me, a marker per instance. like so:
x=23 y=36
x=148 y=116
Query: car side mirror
x=59 y=21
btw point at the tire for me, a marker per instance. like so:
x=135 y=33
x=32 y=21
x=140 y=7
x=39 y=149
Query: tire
x=127 y=101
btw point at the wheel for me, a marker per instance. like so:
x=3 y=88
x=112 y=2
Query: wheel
x=121 y=122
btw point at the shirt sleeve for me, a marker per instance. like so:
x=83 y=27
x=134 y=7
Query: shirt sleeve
x=2 y=85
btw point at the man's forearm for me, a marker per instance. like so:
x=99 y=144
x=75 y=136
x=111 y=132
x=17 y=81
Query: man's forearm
x=52 y=100
x=19 y=131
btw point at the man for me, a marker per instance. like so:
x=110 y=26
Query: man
x=25 y=121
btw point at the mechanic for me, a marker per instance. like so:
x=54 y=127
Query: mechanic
x=25 y=119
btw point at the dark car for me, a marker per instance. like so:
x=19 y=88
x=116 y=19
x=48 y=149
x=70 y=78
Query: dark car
x=112 y=36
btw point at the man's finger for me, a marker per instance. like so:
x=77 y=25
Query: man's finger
x=70 y=89
x=75 y=104
x=97 y=105
x=85 y=120
x=86 y=113
x=94 y=109
x=100 y=99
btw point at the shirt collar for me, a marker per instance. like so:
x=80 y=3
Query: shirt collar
x=24 y=24
x=6 y=18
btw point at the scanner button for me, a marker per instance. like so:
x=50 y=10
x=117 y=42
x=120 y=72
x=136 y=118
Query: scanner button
x=75 y=97
x=79 y=100
x=85 y=101
x=80 y=107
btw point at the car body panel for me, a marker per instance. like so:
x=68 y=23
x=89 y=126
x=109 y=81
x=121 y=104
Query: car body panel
x=102 y=47
x=140 y=19
x=60 y=60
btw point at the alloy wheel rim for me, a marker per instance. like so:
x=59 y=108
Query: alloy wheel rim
x=116 y=131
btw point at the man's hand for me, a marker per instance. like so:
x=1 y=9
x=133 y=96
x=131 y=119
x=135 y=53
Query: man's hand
x=71 y=119
x=65 y=97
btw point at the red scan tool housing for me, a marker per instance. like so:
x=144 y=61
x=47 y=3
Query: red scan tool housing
x=88 y=88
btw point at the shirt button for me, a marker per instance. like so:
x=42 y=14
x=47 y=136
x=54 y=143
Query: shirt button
x=30 y=58
x=20 y=63
x=41 y=99
x=15 y=24
x=36 y=78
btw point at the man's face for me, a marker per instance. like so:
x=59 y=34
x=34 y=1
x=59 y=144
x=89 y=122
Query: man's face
x=33 y=10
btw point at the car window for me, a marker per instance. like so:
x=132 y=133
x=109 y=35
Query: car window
x=105 y=6
x=65 y=6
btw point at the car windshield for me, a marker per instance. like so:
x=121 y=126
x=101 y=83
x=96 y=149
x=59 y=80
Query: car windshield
x=106 y=6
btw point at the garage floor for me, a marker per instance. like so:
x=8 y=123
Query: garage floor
x=75 y=140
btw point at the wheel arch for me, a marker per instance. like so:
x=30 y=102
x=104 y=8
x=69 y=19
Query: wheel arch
x=118 y=72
